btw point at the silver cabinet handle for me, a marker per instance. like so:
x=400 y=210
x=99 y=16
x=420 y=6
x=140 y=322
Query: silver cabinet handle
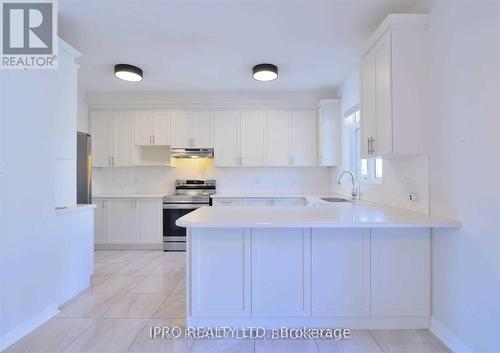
x=191 y=142
x=113 y=161
x=154 y=142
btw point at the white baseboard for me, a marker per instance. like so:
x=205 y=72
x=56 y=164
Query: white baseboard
x=135 y=246
x=27 y=326
x=447 y=338
x=361 y=323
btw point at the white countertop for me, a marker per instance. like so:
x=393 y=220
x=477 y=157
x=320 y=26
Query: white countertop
x=128 y=196
x=337 y=215
x=75 y=208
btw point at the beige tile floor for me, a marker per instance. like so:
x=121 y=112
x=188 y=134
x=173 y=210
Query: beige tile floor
x=134 y=290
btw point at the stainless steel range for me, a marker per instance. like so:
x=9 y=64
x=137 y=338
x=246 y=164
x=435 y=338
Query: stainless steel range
x=189 y=195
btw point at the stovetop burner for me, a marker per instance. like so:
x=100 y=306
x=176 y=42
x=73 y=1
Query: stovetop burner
x=191 y=191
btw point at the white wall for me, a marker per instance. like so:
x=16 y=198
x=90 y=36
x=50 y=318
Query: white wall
x=28 y=245
x=401 y=175
x=464 y=172
x=34 y=240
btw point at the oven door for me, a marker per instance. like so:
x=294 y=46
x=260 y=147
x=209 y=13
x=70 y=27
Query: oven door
x=174 y=237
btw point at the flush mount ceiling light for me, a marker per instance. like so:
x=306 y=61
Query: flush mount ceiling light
x=128 y=72
x=265 y=72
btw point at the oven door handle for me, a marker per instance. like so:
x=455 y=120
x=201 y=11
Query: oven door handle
x=182 y=206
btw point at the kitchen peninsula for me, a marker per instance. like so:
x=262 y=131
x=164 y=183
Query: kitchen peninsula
x=345 y=264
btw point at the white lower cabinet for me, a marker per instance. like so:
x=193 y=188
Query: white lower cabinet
x=258 y=202
x=362 y=278
x=122 y=221
x=400 y=272
x=290 y=201
x=128 y=221
x=220 y=259
x=101 y=231
x=340 y=272
x=149 y=221
x=281 y=272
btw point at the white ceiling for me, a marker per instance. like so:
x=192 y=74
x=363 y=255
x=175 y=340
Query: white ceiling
x=212 y=45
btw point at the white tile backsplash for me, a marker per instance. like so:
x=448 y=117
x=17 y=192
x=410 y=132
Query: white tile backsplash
x=161 y=179
x=401 y=175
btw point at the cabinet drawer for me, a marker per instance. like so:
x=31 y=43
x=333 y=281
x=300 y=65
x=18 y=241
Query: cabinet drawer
x=227 y=202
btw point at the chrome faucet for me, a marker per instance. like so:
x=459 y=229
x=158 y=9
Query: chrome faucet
x=354 y=192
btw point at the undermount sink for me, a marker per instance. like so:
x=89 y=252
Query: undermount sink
x=334 y=199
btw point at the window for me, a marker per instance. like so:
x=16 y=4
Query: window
x=368 y=170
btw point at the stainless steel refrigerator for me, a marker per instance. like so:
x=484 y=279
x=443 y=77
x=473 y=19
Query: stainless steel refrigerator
x=83 y=168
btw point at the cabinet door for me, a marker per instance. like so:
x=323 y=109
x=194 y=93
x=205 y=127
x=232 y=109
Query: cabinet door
x=304 y=138
x=340 y=272
x=252 y=135
x=368 y=105
x=279 y=138
x=383 y=142
x=123 y=139
x=101 y=222
x=400 y=272
x=281 y=278
x=122 y=221
x=220 y=259
x=226 y=138
x=161 y=128
x=143 y=122
x=329 y=134
x=102 y=138
x=201 y=129
x=149 y=221
x=180 y=125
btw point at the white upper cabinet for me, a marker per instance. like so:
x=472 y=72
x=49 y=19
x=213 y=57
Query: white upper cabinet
x=227 y=127
x=192 y=129
x=161 y=128
x=393 y=88
x=368 y=105
x=102 y=144
x=329 y=132
x=180 y=125
x=253 y=138
x=279 y=126
x=123 y=137
x=143 y=126
x=112 y=138
x=253 y=132
x=152 y=128
x=304 y=138
x=201 y=130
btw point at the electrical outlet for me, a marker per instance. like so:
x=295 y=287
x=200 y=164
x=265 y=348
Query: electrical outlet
x=412 y=196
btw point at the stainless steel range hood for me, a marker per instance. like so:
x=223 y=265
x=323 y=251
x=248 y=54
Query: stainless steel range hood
x=192 y=153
